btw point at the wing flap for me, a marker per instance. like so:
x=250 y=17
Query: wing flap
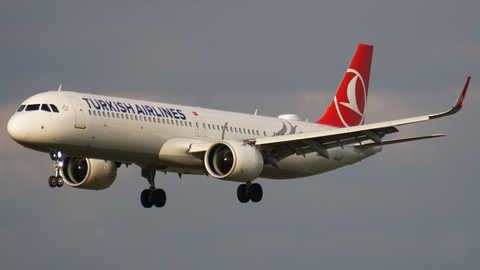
x=402 y=140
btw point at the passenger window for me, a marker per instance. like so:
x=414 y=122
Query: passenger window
x=21 y=108
x=32 y=107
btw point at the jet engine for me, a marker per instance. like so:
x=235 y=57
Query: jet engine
x=233 y=161
x=88 y=173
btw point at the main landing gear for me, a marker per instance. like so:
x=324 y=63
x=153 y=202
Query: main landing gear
x=56 y=180
x=249 y=191
x=152 y=196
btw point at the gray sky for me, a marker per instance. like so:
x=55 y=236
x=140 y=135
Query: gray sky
x=412 y=206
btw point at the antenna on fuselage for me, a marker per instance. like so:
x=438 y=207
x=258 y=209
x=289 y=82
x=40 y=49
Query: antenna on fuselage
x=256 y=111
x=60 y=88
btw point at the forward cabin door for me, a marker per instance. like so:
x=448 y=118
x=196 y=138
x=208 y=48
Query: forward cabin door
x=79 y=113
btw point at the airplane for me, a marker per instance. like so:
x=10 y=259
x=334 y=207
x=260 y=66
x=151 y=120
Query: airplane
x=89 y=136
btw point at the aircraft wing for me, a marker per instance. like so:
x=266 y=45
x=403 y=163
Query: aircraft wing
x=322 y=140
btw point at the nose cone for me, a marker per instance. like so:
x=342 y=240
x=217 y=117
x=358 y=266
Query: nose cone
x=17 y=129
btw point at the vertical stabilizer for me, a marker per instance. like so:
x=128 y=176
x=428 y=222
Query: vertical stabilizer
x=348 y=106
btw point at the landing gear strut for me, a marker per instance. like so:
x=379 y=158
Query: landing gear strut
x=249 y=191
x=56 y=180
x=152 y=196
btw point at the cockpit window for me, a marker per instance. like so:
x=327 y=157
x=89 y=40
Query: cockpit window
x=21 y=108
x=45 y=108
x=36 y=107
x=33 y=107
x=54 y=108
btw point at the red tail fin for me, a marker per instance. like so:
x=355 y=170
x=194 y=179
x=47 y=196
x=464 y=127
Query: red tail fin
x=348 y=106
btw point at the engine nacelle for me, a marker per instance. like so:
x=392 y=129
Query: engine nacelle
x=88 y=173
x=233 y=161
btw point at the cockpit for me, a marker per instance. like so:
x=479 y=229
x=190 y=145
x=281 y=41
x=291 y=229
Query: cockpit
x=37 y=107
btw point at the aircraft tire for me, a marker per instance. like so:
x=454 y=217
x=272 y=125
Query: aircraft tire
x=256 y=192
x=241 y=194
x=59 y=181
x=159 y=198
x=52 y=181
x=145 y=199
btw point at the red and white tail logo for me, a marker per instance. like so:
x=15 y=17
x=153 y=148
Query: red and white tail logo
x=348 y=106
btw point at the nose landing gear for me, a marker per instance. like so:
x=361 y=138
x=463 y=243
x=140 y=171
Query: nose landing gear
x=56 y=180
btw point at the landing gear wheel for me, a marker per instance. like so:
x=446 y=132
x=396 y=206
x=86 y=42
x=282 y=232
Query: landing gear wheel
x=52 y=181
x=255 y=192
x=159 y=198
x=242 y=193
x=145 y=199
x=59 y=181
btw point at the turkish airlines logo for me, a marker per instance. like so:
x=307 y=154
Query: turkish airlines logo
x=351 y=103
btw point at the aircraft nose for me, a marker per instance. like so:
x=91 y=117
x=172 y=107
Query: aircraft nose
x=16 y=129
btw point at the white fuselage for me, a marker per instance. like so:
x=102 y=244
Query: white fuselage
x=158 y=135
